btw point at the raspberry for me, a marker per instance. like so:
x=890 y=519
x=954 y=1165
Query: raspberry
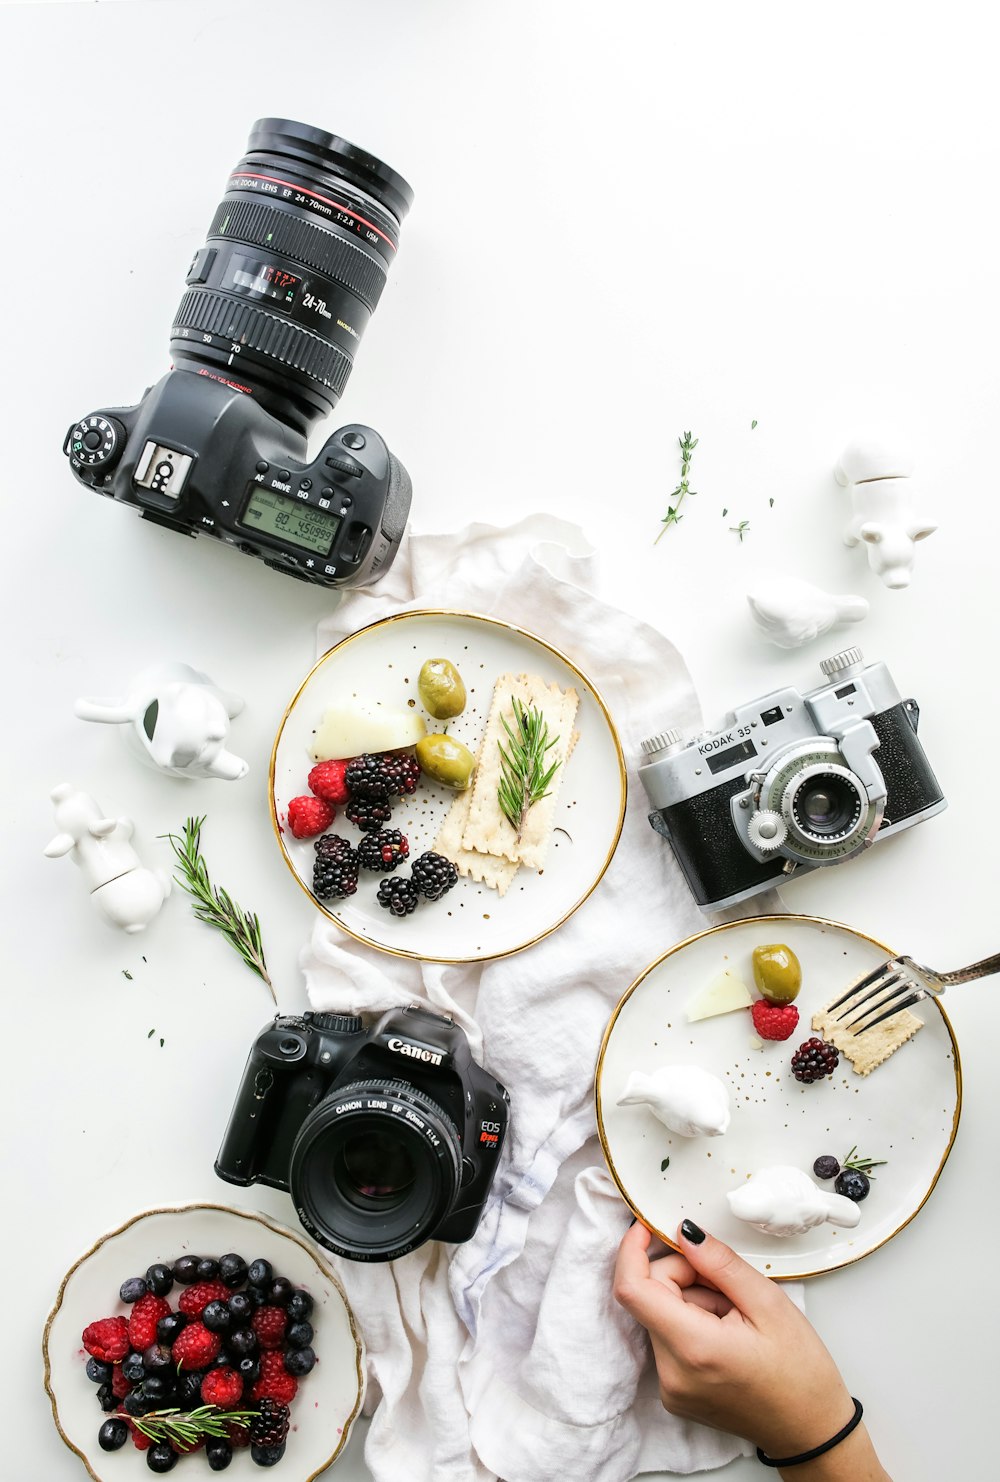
x=119 y=1384
x=222 y=1387
x=275 y=1383
x=813 y=1060
x=197 y=1297
x=269 y=1324
x=774 y=1020
x=239 y=1435
x=308 y=816
x=195 y=1347
x=143 y=1319
x=433 y=875
x=140 y=1441
x=384 y=850
x=327 y=781
x=107 y=1339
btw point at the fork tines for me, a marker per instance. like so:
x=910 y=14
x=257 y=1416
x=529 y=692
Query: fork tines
x=889 y=979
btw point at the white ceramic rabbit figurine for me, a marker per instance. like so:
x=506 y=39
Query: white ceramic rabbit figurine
x=785 y=1201
x=791 y=612
x=123 y=890
x=883 y=508
x=685 y=1098
x=177 y=720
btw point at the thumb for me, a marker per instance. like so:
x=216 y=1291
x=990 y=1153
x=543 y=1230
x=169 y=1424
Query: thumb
x=745 y=1287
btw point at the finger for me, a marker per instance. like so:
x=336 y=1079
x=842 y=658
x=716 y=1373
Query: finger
x=658 y=1304
x=673 y=1268
x=720 y=1266
x=708 y=1300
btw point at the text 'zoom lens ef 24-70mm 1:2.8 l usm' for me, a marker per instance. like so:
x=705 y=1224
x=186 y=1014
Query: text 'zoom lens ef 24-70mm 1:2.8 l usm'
x=263 y=343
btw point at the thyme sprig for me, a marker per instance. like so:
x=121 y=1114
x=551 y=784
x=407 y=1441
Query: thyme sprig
x=214 y=905
x=687 y=445
x=862 y=1165
x=190 y=1426
x=740 y=529
x=524 y=776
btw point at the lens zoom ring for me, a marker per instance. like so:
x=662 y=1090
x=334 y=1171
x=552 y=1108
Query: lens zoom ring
x=262 y=226
x=278 y=339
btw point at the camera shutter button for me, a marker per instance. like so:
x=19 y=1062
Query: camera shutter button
x=767 y=830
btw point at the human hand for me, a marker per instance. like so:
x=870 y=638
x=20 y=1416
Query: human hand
x=734 y=1352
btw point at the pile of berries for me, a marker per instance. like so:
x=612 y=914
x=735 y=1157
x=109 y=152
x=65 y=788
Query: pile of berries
x=238 y=1340
x=813 y=1060
x=365 y=786
x=853 y=1177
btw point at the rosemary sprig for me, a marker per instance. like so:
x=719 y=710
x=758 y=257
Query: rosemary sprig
x=215 y=906
x=524 y=777
x=189 y=1427
x=687 y=445
x=740 y=529
x=862 y=1165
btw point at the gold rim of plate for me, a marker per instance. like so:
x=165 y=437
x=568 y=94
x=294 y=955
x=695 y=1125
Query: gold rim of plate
x=474 y=617
x=782 y=919
x=246 y=1214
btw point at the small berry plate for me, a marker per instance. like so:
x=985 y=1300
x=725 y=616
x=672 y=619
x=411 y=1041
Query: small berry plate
x=381 y=664
x=329 y=1398
x=905 y=1111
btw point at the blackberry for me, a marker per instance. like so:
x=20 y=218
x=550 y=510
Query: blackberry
x=826 y=1167
x=368 y=813
x=383 y=851
x=335 y=873
x=401 y=773
x=133 y=1289
x=433 y=875
x=398 y=896
x=813 y=1060
x=112 y=1435
x=271 y=1425
x=365 y=778
x=853 y=1184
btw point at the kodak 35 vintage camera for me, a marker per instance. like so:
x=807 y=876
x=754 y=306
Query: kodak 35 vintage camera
x=790 y=782
x=384 y=1137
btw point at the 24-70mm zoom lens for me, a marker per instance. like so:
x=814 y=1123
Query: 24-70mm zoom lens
x=294 y=264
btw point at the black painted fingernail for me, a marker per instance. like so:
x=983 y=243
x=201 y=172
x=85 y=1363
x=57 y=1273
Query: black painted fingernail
x=691 y=1232
x=632 y=1221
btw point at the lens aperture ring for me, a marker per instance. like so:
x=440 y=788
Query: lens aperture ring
x=261 y=225
x=209 y=313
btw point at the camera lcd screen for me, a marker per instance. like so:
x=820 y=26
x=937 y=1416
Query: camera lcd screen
x=262 y=279
x=720 y=760
x=289 y=521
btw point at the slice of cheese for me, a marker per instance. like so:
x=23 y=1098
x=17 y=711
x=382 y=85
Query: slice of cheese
x=722 y=995
x=356 y=726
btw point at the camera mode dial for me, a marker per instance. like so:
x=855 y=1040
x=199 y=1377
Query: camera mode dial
x=767 y=830
x=95 y=442
x=337 y=1023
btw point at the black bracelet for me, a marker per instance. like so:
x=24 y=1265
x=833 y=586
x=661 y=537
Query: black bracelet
x=796 y=1461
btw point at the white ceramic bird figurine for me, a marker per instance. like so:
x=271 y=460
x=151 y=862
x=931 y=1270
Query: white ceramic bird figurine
x=785 y=1201
x=685 y=1098
x=791 y=612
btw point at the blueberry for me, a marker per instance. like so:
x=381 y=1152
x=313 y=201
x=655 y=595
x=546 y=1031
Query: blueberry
x=241 y=1308
x=248 y=1369
x=826 y=1167
x=160 y=1279
x=189 y=1390
x=112 y=1435
x=158 y=1387
x=216 y=1317
x=136 y=1403
x=243 y=1343
x=267 y=1456
x=281 y=1291
x=106 y=1399
x=300 y=1304
x=257 y=1295
x=157 y=1359
x=186 y=1269
x=161 y=1457
x=299 y=1334
x=168 y=1327
x=232 y=1270
x=207 y=1269
x=299 y=1361
x=134 y=1369
x=260 y=1273
x=219 y=1453
x=99 y=1373
x=853 y=1184
x=130 y=1291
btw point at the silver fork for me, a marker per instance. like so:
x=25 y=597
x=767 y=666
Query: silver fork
x=902 y=982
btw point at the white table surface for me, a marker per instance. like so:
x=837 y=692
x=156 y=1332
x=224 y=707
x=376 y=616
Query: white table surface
x=629 y=221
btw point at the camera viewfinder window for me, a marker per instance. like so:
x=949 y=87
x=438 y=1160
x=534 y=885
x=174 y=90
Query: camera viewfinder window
x=723 y=759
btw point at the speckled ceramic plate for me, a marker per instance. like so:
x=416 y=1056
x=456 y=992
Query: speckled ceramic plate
x=472 y=923
x=905 y=1111
x=329 y=1399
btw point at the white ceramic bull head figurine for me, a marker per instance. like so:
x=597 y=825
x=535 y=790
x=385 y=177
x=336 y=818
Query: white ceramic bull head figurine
x=884 y=508
x=177 y=720
x=123 y=890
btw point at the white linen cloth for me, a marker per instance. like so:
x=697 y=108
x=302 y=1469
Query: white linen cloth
x=508 y=1356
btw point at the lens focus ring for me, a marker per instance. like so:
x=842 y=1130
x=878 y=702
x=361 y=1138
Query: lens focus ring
x=260 y=225
x=279 y=339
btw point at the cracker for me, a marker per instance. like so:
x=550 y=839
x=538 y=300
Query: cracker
x=487 y=830
x=867 y=1051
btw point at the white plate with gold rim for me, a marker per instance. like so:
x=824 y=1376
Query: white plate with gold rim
x=471 y=923
x=329 y=1398
x=905 y=1111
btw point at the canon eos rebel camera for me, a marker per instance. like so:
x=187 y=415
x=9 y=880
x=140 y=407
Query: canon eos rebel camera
x=262 y=345
x=384 y=1137
x=790 y=782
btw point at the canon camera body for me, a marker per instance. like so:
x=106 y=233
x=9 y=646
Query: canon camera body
x=384 y=1137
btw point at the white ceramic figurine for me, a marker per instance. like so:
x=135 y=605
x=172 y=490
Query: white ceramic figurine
x=123 y=890
x=178 y=721
x=883 y=508
x=785 y=1201
x=791 y=612
x=685 y=1098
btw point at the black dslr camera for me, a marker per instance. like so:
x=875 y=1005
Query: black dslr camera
x=263 y=343
x=384 y=1137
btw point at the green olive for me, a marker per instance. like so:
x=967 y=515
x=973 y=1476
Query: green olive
x=446 y=760
x=777 y=972
x=441 y=689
